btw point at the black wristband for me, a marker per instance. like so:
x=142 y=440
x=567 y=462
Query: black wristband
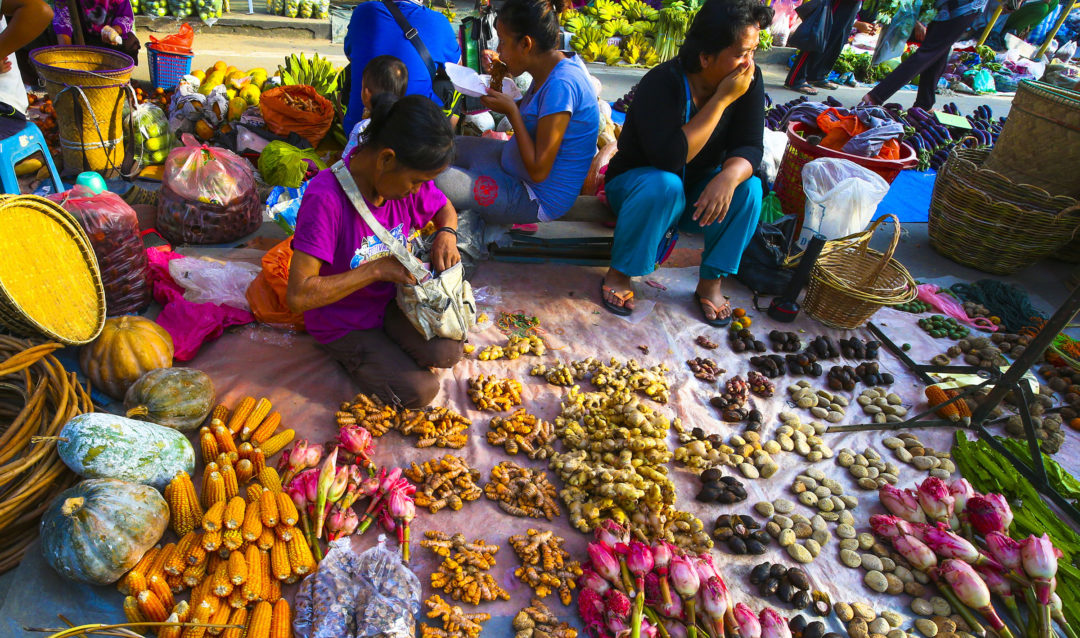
x=445 y=229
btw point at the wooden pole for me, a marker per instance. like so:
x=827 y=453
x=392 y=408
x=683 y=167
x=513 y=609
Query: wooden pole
x=991 y=23
x=76 y=22
x=1065 y=11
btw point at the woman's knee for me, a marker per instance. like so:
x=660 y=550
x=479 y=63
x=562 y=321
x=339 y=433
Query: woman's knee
x=653 y=191
x=441 y=353
x=415 y=390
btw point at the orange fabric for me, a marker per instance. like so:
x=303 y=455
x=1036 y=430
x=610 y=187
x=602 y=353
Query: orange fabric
x=266 y=294
x=890 y=150
x=838 y=128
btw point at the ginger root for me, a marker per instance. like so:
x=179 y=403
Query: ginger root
x=515 y=347
x=545 y=565
x=522 y=432
x=438 y=427
x=463 y=572
x=446 y=482
x=537 y=621
x=371 y=412
x=491 y=393
x=455 y=622
x=521 y=491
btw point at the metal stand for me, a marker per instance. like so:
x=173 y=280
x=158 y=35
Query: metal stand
x=582 y=251
x=1002 y=384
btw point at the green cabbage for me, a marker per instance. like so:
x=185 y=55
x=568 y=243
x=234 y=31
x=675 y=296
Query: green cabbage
x=282 y=164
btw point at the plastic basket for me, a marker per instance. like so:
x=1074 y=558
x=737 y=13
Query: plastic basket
x=166 y=69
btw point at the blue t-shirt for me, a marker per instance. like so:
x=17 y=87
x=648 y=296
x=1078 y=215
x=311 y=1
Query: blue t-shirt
x=566 y=90
x=374 y=32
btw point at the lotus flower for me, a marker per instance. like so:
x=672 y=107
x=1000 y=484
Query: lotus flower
x=773 y=625
x=916 y=553
x=674 y=609
x=747 y=622
x=961 y=491
x=640 y=562
x=947 y=544
x=675 y=629
x=341 y=522
x=662 y=553
x=402 y=507
x=714 y=602
x=971 y=590
x=589 y=579
x=611 y=533
x=302 y=456
x=1004 y=550
x=902 y=503
x=617 y=604
x=935 y=499
x=603 y=561
x=889 y=526
x=356 y=440
x=684 y=577
x=989 y=513
x=1039 y=558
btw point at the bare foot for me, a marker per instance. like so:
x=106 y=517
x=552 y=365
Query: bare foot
x=713 y=303
x=618 y=289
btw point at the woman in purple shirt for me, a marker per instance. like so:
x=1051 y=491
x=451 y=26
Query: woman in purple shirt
x=344 y=279
x=105 y=23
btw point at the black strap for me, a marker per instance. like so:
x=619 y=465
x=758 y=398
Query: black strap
x=412 y=35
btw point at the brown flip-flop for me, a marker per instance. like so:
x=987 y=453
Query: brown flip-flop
x=717 y=321
x=623 y=297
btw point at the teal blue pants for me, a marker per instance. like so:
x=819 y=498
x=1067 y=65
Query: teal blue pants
x=648 y=202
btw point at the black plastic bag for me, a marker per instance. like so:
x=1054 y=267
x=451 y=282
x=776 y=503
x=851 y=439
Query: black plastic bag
x=762 y=267
x=813 y=33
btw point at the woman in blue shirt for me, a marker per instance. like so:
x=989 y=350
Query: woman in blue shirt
x=537 y=175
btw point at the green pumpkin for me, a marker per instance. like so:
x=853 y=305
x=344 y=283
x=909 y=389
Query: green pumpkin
x=178 y=398
x=96 y=531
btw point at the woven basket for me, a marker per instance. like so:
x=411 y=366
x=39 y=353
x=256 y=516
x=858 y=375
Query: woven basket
x=87 y=86
x=49 y=278
x=850 y=282
x=982 y=219
x=1070 y=252
x=1040 y=143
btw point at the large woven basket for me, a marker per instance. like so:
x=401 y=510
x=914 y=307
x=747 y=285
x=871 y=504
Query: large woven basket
x=49 y=279
x=1040 y=143
x=850 y=282
x=1070 y=252
x=982 y=219
x=87 y=86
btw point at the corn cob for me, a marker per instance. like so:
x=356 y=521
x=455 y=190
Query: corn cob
x=963 y=410
x=210 y=468
x=220 y=413
x=254 y=493
x=160 y=588
x=195 y=574
x=260 y=619
x=151 y=607
x=203 y=612
x=236 y=598
x=224 y=439
x=252 y=527
x=279 y=561
x=300 y=558
x=244 y=450
x=286 y=509
x=258 y=460
x=270 y=479
x=214 y=489
x=178 y=560
x=277 y=443
x=240 y=414
x=258 y=413
x=253 y=586
x=238 y=617
x=266 y=429
x=222 y=586
x=284 y=532
x=268 y=509
x=281 y=620
x=182 y=610
x=131 y=609
x=266 y=539
x=244 y=471
x=175 y=582
x=220 y=617
x=211 y=541
x=184 y=507
x=197 y=554
x=223 y=459
x=136 y=582
x=157 y=566
x=936 y=396
x=170 y=632
x=228 y=476
x=237 y=568
x=141 y=568
x=291 y=580
x=208 y=446
x=212 y=519
x=231 y=540
x=234 y=513
x=214 y=562
x=271 y=589
x=201 y=592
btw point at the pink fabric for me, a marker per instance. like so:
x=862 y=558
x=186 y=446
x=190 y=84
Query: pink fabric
x=189 y=324
x=949 y=306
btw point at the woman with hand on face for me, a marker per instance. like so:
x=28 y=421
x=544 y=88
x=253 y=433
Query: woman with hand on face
x=686 y=158
x=344 y=279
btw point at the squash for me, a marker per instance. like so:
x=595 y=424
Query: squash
x=97 y=530
x=127 y=347
x=102 y=445
x=178 y=398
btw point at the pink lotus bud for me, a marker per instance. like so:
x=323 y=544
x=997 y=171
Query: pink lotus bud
x=297 y=494
x=313 y=456
x=591 y=608
x=989 y=513
x=335 y=520
x=961 y=491
x=773 y=625
x=589 y=579
x=946 y=544
x=714 y=598
x=674 y=628
x=935 y=499
x=915 y=552
x=747 y=621
x=401 y=506
x=356 y=440
x=674 y=609
x=996 y=581
x=604 y=562
x=684 y=576
x=1040 y=561
x=1004 y=550
x=617 y=604
x=369 y=487
x=889 y=526
x=902 y=503
x=647 y=630
x=661 y=552
x=639 y=560
x=611 y=533
x=617 y=625
x=965 y=583
x=298 y=455
x=387 y=479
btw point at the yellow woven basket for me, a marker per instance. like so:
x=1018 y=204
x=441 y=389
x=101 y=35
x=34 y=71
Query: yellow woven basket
x=50 y=283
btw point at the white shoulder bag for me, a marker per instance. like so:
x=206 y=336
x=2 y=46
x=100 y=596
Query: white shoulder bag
x=440 y=306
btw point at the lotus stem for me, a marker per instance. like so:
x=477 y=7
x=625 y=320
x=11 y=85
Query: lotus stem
x=654 y=618
x=635 y=619
x=969 y=617
x=691 y=617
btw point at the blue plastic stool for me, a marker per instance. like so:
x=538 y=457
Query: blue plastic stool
x=18 y=147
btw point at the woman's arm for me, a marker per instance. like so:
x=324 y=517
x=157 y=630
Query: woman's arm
x=537 y=155
x=308 y=289
x=27 y=19
x=123 y=18
x=700 y=127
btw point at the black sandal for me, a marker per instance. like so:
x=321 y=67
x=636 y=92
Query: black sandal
x=624 y=297
x=717 y=321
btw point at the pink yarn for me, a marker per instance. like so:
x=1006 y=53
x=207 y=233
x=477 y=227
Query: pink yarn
x=948 y=305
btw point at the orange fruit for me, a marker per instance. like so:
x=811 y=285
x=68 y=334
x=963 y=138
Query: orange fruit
x=1075 y=423
x=738 y=312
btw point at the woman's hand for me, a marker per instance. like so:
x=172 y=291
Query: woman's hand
x=487 y=56
x=736 y=83
x=444 y=252
x=713 y=204
x=63 y=39
x=499 y=102
x=865 y=27
x=5 y=66
x=391 y=270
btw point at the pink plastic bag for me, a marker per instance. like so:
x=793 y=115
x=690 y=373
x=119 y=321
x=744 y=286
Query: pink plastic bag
x=113 y=229
x=949 y=306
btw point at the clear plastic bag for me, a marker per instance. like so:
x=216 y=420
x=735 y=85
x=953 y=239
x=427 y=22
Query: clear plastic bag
x=358 y=596
x=113 y=229
x=209 y=281
x=894 y=36
x=153 y=141
x=841 y=197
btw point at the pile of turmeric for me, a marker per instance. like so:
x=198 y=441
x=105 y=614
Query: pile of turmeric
x=455 y=622
x=435 y=427
x=521 y=491
x=446 y=482
x=522 y=432
x=545 y=565
x=463 y=574
x=537 y=621
x=492 y=393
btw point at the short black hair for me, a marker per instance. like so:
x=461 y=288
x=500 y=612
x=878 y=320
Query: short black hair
x=538 y=19
x=413 y=127
x=386 y=74
x=717 y=25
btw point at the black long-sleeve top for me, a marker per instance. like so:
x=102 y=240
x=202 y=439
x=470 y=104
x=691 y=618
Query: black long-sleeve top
x=652 y=134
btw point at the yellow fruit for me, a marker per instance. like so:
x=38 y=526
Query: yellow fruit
x=229 y=70
x=236 y=80
x=158 y=157
x=251 y=94
x=199 y=74
x=236 y=108
x=231 y=93
x=27 y=166
x=156 y=143
x=221 y=66
x=203 y=130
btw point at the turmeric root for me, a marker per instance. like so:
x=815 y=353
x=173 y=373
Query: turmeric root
x=491 y=393
x=446 y=482
x=537 y=621
x=521 y=491
x=463 y=572
x=455 y=622
x=522 y=432
x=545 y=565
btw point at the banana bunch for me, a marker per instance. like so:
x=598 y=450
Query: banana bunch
x=610 y=54
x=636 y=10
x=575 y=22
x=605 y=10
x=637 y=40
x=631 y=53
x=567 y=16
x=586 y=36
x=608 y=29
x=591 y=51
x=623 y=27
x=316 y=72
x=650 y=59
x=644 y=28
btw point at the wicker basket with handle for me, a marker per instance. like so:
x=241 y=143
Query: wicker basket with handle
x=850 y=282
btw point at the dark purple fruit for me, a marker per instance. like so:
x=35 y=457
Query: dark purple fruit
x=778 y=571
x=815 y=629
x=769 y=587
x=797 y=624
x=711 y=475
x=759 y=573
x=736 y=545
x=785 y=592
x=754 y=547
x=798 y=578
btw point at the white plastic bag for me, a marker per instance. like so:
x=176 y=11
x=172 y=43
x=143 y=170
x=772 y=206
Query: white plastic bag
x=841 y=198
x=774 y=143
x=219 y=282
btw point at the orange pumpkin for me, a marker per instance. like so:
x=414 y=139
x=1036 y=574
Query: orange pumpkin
x=127 y=347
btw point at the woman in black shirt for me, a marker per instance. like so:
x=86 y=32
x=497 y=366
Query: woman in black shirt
x=687 y=154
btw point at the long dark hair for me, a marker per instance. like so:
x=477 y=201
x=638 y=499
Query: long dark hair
x=413 y=127
x=538 y=19
x=717 y=25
